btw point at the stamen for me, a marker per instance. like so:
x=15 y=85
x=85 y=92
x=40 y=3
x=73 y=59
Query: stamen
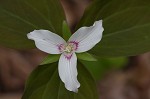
x=69 y=48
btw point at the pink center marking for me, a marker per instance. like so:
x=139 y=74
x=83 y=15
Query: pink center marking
x=61 y=47
x=75 y=44
x=68 y=56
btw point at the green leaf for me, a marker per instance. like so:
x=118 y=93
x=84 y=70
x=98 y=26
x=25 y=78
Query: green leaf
x=19 y=17
x=50 y=59
x=44 y=83
x=126 y=26
x=86 y=56
x=103 y=65
x=66 y=31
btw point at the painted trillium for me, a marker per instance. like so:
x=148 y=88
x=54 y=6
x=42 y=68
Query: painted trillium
x=82 y=40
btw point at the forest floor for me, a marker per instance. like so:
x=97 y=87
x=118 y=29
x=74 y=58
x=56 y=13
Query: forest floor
x=11 y=96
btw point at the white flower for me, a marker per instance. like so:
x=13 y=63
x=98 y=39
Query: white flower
x=81 y=41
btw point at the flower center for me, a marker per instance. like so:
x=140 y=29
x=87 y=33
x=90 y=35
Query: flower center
x=69 y=48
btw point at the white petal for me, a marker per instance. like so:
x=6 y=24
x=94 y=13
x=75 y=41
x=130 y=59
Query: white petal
x=68 y=72
x=87 y=37
x=46 y=41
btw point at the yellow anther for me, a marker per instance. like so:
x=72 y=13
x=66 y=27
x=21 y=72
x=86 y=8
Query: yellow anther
x=69 y=48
